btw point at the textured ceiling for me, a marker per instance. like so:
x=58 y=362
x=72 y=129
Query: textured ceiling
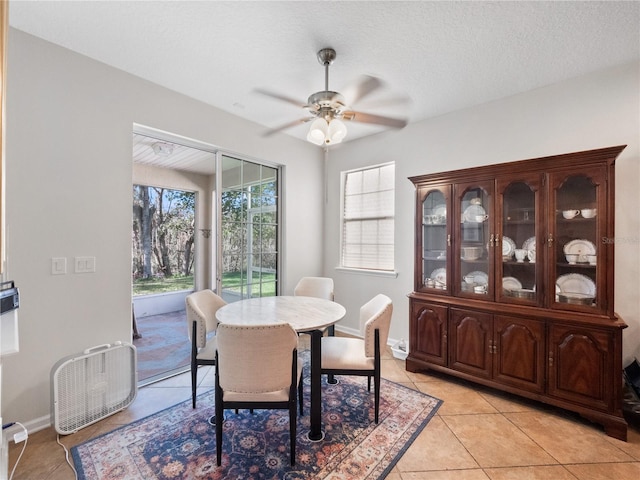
x=443 y=55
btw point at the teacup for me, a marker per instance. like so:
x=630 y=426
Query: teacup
x=532 y=255
x=572 y=258
x=588 y=212
x=481 y=218
x=475 y=201
x=570 y=213
x=480 y=289
x=521 y=254
x=591 y=259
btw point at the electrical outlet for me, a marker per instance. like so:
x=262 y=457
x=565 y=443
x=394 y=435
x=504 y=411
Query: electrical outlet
x=20 y=436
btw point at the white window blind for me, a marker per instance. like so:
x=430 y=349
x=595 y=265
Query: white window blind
x=368 y=218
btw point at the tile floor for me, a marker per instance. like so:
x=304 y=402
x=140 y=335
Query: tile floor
x=477 y=434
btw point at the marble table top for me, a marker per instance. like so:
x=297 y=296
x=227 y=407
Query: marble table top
x=302 y=313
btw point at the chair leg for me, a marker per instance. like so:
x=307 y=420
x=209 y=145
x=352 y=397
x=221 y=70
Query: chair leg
x=300 y=397
x=369 y=383
x=292 y=430
x=194 y=364
x=219 y=421
x=376 y=381
x=194 y=376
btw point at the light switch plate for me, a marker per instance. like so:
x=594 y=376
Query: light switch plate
x=85 y=264
x=58 y=266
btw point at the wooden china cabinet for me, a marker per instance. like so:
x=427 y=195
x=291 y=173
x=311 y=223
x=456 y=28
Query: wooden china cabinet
x=514 y=281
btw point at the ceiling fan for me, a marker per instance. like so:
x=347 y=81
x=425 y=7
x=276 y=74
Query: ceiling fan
x=328 y=109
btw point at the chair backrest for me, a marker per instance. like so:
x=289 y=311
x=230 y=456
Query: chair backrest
x=321 y=287
x=255 y=358
x=202 y=307
x=375 y=314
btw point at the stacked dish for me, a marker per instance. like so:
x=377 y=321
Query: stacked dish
x=580 y=251
x=508 y=248
x=437 y=279
x=576 y=289
x=530 y=246
x=513 y=288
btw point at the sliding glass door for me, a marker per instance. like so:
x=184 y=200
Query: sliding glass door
x=248 y=262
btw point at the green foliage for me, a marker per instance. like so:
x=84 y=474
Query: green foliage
x=150 y=286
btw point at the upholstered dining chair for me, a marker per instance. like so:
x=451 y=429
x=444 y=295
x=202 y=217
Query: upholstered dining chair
x=361 y=356
x=320 y=287
x=257 y=367
x=201 y=323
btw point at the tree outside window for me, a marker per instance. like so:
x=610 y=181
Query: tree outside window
x=163 y=239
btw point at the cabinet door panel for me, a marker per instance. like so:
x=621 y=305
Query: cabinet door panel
x=433 y=240
x=470 y=342
x=520 y=252
x=473 y=239
x=429 y=332
x=580 y=364
x=577 y=250
x=519 y=352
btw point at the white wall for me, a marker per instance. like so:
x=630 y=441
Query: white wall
x=599 y=110
x=69 y=174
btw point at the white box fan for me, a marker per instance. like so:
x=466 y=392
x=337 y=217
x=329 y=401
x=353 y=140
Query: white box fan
x=90 y=386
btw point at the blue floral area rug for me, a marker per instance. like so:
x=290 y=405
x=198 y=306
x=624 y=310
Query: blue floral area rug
x=179 y=443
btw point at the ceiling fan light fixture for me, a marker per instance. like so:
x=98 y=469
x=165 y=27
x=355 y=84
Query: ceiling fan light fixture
x=318 y=131
x=323 y=133
x=337 y=131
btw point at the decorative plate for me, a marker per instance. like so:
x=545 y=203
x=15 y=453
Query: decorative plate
x=579 y=247
x=472 y=211
x=575 y=283
x=508 y=247
x=477 y=277
x=439 y=275
x=511 y=283
x=440 y=210
x=529 y=244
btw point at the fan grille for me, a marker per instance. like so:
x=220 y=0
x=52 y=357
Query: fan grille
x=92 y=386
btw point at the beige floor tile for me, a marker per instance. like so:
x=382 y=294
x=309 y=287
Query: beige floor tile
x=476 y=474
x=493 y=441
x=579 y=442
x=543 y=472
x=392 y=370
x=606 y=471
x=504 y=402
x=149 y=401
x=457 y=398
x=632 y=445
x=436 y=448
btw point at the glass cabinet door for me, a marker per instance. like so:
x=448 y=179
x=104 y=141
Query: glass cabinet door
x=436 y=239
x=474 y=240
x=577 y=256
x=518 y=260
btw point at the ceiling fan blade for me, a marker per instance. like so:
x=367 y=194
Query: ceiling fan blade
x=279 y=96
x=365 y=85
x=270 y=132
x=374 y=119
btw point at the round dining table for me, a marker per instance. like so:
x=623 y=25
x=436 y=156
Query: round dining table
x=305 y=315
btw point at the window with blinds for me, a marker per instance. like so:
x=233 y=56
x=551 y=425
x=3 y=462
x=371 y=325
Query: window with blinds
x=368 y=218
